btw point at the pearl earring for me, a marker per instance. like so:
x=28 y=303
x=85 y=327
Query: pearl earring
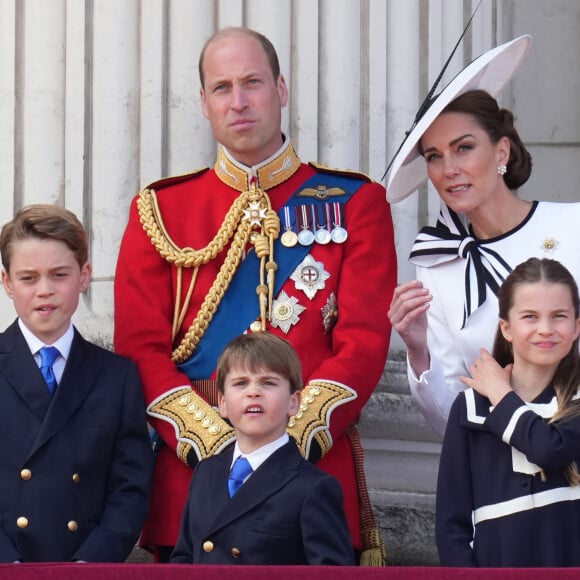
x=502 y=169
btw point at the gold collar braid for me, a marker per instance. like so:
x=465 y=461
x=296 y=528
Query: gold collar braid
x=270 y=173
x=249 y=219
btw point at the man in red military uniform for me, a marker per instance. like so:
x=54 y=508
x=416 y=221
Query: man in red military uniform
x=259 y=242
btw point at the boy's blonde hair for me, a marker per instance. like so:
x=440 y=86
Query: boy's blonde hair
x=261 y=351
x=44 y=222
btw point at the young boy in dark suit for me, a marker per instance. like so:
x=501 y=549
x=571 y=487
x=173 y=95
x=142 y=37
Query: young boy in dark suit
x=281 y=509
x=75 y=458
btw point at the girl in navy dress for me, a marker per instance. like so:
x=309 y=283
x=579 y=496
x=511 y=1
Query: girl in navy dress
x=507 y=492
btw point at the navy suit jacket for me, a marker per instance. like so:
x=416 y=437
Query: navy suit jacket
x=75 y=467
x=287 y=512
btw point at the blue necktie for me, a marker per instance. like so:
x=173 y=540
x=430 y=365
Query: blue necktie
x=48 y=354
x=239 y=472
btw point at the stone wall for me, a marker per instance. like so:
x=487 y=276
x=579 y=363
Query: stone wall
x=401 y=459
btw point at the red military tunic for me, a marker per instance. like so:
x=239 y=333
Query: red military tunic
x=359 y=274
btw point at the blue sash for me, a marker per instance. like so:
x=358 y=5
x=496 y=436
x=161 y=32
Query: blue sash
x=239 y=305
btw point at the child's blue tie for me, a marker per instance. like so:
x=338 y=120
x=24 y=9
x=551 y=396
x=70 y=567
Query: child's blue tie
x=238 y=474
x=48 y=354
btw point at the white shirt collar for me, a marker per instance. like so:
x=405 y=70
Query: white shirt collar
x=64 y=343
x=257 y=457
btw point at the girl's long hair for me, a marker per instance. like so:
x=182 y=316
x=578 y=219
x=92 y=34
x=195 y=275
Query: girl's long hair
x=566 y=379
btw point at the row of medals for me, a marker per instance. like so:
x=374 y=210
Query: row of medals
x=310 y=232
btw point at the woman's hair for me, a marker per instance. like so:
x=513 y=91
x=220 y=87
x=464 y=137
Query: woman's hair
x=567 y=376
x=497 y=123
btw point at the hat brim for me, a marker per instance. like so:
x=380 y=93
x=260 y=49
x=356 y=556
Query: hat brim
x=489 y=72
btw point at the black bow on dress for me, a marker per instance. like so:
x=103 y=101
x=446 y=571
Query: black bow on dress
x=451 y=238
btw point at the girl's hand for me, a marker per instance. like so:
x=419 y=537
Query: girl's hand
x=488 y=378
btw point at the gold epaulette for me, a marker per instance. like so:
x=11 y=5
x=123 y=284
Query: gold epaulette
x=319 y=400
x=175 y=179
x=195 y=422
x=238 y=225
x=345 y=172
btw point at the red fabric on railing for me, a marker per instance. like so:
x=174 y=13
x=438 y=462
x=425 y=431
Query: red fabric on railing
x=54 y=571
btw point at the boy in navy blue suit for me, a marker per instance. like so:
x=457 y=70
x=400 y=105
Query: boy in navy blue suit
x=75 y=459
x=281 y=510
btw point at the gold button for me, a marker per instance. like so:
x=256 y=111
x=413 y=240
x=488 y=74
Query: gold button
x=256 y=326
x=26 y=474
x=235 y=553
x=76 y=477
x=72 y=526
x=207 y=546
x=184 y=400
x=22 y=522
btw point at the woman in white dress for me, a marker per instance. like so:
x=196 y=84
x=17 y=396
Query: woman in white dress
x=470 y=150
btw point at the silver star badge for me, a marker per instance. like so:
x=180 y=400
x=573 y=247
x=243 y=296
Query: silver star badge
x=310 y=276
x=285 y=312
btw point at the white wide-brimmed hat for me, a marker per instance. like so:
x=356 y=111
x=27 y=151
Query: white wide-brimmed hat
x=489 y=72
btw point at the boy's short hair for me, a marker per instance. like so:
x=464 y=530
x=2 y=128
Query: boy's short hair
x=44 y=222
x=257 y=351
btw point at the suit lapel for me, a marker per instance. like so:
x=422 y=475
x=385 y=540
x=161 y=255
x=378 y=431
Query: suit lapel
x=273 y=474
x=79 y=377
x=22 y=372
x=220 y=497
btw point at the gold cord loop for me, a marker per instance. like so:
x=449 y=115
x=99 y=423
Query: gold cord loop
x=250 y=217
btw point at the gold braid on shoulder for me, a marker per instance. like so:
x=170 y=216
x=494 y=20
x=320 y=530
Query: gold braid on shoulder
x=249 y=219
